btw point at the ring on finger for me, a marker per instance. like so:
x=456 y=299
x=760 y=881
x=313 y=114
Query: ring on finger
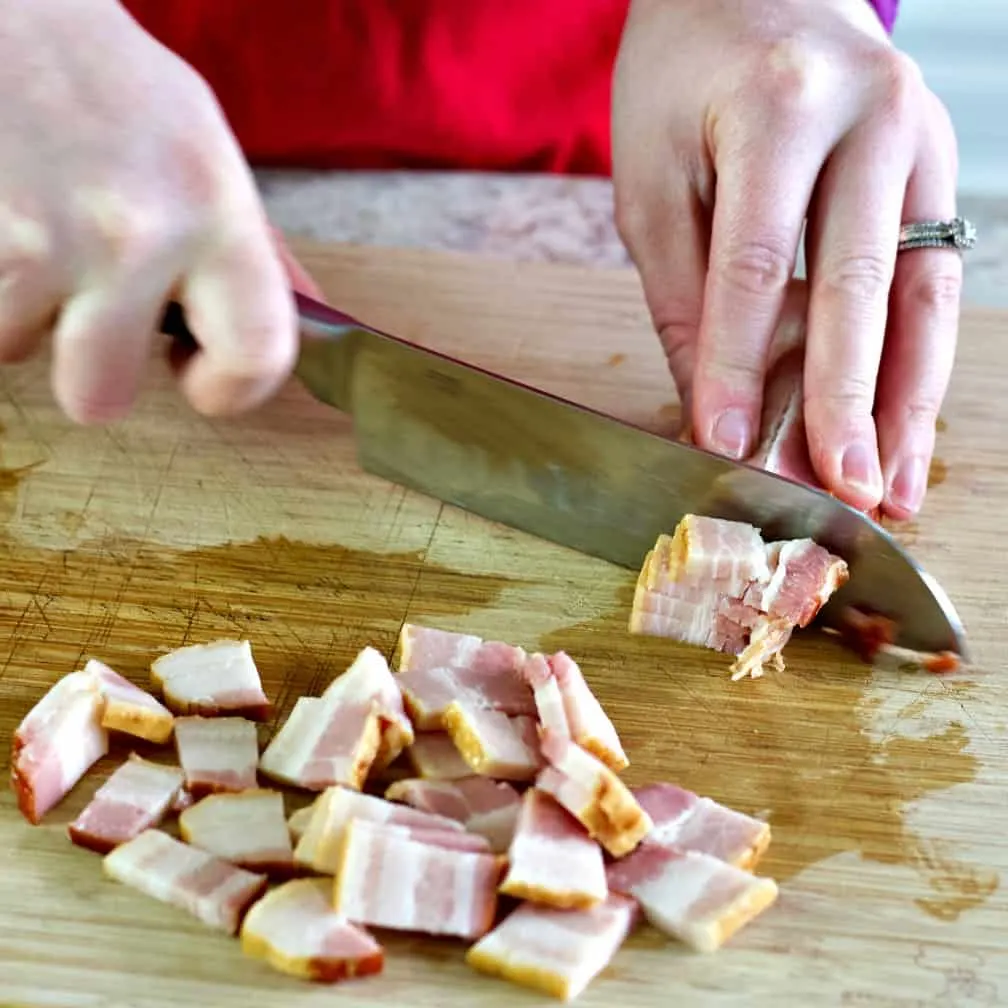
x=957 y=233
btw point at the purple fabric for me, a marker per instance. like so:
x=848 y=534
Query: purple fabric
x=886 y=10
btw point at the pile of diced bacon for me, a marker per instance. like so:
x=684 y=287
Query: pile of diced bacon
x=475 y=771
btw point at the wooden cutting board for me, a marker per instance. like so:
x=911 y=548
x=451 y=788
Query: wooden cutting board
x=886 y=792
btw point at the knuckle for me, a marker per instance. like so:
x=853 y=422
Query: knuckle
x=128 y=229
x=898 y=82
x=851 y=396
x=863 y=277
x=760 y=267
x=630 y=216
x=793 y=76
x=936 y=290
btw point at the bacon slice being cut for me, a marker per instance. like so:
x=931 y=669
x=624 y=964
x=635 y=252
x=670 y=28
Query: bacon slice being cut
x=437 y=668
x=248 y=829
x=295 y=930
x=135 y=797
x=158 y=865
x=593 y=794
x=386 y=880
x=217 y=754
x=319 y=845
x=58 y=741
x=216 y=678
x=552 y=858
x=493 y=744
x=434 y=756
x=486 y=807
x=558 y=952
x=369 y=678
x=325 y=742
x=684 y=821
x=699 y=899
x=715 y=584
x=127 y=708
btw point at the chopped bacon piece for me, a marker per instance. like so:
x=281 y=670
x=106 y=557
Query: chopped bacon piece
x=872 y=636
x=135 y=797
x=182 y=800
x=369 y=678
x=319 y=845
x=158 y=865
x=298 y=821
x=567 y=707
x=217 y=754
x=902 y=659
x=715 y=584
x=593 y=794
x=386 y=880
x=493 y=744
x=295 y=930
x=686 y=822
x=486 y=807
x=552 y=859
x=437 y=667
x=558 y=952
x=210 y=679
x=129 y=709
x=435 y=756
x=248 y=829
x=324 y=743
x=58 y=741
x=699 y=899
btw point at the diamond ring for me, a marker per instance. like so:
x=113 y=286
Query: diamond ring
x=957 y=233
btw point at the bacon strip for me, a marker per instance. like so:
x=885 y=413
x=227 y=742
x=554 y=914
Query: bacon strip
x=58 y=741
x=294 y=929
x=369 y=678
x=298 y=821
x=437 y=668
x=493 y=744
x=872 y=637
x=435 y=756
x=594 y=795
x=248 y=829
x=685 y=822
x=217 y=754
x=129 y=709
x=324 y=743
x=210 y=679
x=486 y=807
x=557 y=952
x=213 y=891
x=334 y=809
x=552 y=859
x=692 y=896
x=136 y=796
x=386 y=880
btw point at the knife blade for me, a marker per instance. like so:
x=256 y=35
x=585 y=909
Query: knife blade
x=577 y=477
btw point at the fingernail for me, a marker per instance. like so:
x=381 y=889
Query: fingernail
x=860 y=469
x=731 y=434
x=909 y=484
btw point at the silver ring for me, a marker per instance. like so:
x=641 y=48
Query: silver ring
x=957 y=233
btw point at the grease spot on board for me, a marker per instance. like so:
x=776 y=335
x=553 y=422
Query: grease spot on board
x=941 y=425
x=616 y=359
x=937 y=473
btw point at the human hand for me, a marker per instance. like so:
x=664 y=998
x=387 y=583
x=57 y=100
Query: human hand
x=121 y=188
x=733 y=120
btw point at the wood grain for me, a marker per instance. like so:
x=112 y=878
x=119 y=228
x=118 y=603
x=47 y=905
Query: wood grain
x=885 y=791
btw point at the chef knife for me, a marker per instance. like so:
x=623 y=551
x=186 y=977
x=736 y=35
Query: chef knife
x=579 y=478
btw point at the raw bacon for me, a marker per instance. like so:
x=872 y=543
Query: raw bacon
x=594 y=795
x=182 y=800
x=685 y=822
x=210 y=679
x=369 y=678
x=699 y=899
x=135 y=797
x=298 y=821
x=217 y=754
x=483 y=806
x=493 y=744
x=557 y=952
x=435 y=756
x=58 y=741
x=324 y=743
x=295 y=930
x=437 y=668
x=872 y=637
x=248 y=829
x=552 y=858
x=715 y=584
x=127 y=708
x=386 y=880
x=213 y=891
x=319 y=845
